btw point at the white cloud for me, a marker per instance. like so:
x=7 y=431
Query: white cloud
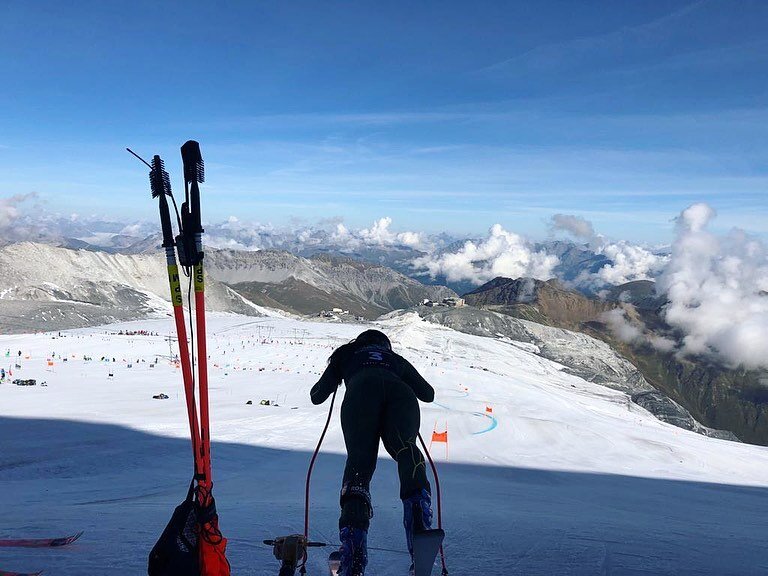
x=411 y=239
x=502 y=253
x=378 y=234
x=132 y=229
x=661 y=343
x=575 y=225
x=9 y=210
x=306 y=237
x=8 y=213
x=629 y=261
x=620 y=326
x=696 y=217
x=220 y=242
x=716 y=287
x=344 y=237
x=634 y=331
x=237 y=234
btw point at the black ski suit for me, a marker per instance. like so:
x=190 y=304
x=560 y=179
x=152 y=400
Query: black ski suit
x=380 y=403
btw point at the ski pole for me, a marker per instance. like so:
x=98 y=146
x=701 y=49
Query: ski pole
x=194 y=173
x=312 y=464
x=439 y=500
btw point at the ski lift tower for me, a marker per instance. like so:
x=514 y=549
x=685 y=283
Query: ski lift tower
x=171 y=340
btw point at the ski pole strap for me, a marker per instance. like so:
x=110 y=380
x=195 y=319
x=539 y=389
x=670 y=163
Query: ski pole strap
x=206 y=512
x=311 y=465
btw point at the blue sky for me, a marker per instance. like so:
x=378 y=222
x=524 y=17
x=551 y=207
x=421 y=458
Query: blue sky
x=445 y=116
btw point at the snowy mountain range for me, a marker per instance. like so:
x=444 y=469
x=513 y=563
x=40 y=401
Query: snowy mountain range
x=440 y=259
x=44 y=287
x=57 y=288
x=307 y=285
x=49 y=287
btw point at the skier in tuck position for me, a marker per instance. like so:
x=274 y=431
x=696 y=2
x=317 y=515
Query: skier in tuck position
x=380 y=403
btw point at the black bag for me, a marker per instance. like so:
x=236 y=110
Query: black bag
x=176 y=552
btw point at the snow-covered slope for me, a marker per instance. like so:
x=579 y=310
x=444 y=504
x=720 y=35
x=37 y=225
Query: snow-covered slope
x=544 y=472
x=580 y=354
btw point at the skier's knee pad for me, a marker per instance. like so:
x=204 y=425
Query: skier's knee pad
x=356 y=507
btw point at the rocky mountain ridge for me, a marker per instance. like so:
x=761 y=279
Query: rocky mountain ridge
x=57 y=288
x=44 y=287
x=308 y=285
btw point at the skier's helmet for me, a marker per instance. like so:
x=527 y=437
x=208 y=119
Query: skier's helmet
x=373 y=338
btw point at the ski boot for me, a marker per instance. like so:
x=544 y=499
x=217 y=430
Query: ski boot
x=353 y=551
x=417 y=517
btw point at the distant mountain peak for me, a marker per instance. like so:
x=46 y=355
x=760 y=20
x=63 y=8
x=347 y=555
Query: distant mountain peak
x=544 y=301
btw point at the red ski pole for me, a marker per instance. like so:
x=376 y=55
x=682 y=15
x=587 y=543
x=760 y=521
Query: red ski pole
x=186 y=366
x=213 y=560
x=194 y=174
x=202 y=366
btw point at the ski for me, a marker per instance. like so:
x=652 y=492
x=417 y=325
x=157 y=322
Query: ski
x=37 y=543
x=426 y=545
x=6 y=573
x=334 y=561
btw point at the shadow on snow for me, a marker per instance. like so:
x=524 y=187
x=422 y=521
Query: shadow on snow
x=121 y=485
